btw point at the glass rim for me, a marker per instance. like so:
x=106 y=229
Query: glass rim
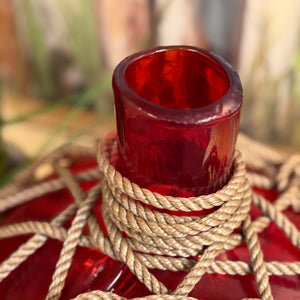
x=224 y=107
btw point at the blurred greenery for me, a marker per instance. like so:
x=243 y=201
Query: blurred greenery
x=3 y=156
x=297 y=61
x=297 y=71
x=82 y=36
x=40 y=57
x=295 y=136
x=79 y=52
x=80 y=102
x=54 y=58
x=63 y=50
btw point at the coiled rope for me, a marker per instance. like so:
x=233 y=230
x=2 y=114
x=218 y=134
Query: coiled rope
x=158 y=240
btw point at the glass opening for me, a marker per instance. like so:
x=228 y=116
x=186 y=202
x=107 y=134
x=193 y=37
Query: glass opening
x=178 y=78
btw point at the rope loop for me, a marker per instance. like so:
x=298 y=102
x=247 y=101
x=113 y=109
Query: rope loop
x=118 y=183
x=164 y=235
x=145 y=239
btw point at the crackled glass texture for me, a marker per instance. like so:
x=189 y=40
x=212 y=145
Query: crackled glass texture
x=177 y=111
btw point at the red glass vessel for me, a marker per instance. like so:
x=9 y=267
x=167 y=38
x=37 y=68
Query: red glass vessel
x=177 y=115
x=177 y=111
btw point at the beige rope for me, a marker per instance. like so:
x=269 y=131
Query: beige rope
x=281 y=220
x=257 y=259
x=34 y=243
x=121 y=184
x=99 y=295
x=259 y=156
x=72 y=240
x=159 y=240
x=21 y=196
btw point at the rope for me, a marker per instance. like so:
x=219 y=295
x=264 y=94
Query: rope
x=257 y=259
x=99 y=295
x=72 y=240
x=158 y=240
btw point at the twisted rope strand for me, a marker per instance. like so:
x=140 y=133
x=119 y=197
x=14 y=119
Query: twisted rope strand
x=97 y=237
x=281 y=220
x=34 y=243
x=159 y=240
x=258 y=264
x=72 y=240
x=123 y=185
x=21 y=196
x=99 y=295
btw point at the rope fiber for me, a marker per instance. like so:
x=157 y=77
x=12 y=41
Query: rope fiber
x=144 y=239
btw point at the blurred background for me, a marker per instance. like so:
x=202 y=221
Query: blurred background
x=57 y=58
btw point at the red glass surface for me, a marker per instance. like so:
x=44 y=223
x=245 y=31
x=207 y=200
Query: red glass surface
x=177 y=112
x=178 y=140
x=90 y=270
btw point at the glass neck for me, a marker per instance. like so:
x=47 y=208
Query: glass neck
x=176 y=133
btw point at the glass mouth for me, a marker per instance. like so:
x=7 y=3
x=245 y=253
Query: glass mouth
x=180 y=84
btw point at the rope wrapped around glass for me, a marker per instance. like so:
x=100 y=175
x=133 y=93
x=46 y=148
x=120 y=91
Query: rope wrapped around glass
x=175 y=208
